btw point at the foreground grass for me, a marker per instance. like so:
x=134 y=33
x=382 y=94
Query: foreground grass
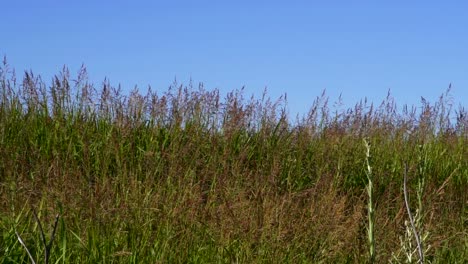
x=188 y=177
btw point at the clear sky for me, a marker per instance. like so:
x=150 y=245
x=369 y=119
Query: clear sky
x=354 y=48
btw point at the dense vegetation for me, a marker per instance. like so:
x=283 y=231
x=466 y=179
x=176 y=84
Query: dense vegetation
x=187 y=176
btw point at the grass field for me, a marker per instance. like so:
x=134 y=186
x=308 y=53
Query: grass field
x=190 y=176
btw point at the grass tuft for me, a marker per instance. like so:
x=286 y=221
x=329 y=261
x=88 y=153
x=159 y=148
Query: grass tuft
x=191 y=175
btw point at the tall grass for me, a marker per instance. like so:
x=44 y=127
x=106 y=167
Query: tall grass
x=370 y=205
x=190 y=175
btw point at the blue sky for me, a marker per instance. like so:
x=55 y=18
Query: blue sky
x=354 y=48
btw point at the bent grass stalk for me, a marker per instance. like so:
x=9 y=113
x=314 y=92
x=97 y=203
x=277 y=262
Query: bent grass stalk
x=370 y=205
x=413 y=227
x=47 y=246
x=410 y=216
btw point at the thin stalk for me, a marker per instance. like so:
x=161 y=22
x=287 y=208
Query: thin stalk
x=25 y=247
x=47 y=246
x=370 y=206
x=413 y=227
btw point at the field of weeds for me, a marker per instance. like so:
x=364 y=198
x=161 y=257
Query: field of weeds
x=190 y=176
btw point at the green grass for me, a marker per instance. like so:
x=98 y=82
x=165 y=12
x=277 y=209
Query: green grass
x=187 y=176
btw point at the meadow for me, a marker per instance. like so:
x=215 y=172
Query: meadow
x=187 y=175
